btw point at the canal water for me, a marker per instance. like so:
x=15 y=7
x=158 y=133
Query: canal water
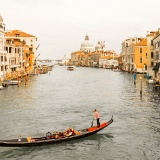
x=62 y=99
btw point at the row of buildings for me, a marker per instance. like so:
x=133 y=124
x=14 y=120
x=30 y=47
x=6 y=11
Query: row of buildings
x=17 y=52
x=91 y=56
x=141 y=55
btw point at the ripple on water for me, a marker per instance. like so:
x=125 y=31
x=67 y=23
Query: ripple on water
x=63 y=99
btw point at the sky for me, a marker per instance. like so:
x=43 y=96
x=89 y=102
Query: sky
x=61 y=25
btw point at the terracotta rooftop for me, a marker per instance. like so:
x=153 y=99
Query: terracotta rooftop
x=153 y=33
x=18 y=33
x=142 y=43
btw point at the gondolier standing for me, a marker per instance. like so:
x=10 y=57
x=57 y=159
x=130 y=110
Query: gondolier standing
x=97 y=116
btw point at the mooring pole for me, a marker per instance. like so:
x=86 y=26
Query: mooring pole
x=141 y=86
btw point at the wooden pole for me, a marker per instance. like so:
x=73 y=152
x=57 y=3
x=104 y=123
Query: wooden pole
x=18 y=78
x=141 y=86
x=25 y=77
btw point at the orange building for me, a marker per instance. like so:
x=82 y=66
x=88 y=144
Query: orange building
x=140 y=56
x=29 y=46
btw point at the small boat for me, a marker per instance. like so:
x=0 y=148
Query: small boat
x=116 y=70
x=13 y=82
x=151 y=81
x=48 y=139
x=1 y=87
x=71 y=68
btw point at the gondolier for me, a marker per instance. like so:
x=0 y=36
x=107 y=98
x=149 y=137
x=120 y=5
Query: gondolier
x=97 y=116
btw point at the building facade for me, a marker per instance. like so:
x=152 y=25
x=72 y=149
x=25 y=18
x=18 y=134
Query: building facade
x=90 y=56
x=132 y=54
x=156 y=43
x=17 y=53
x=3 y=64
x=29 y=40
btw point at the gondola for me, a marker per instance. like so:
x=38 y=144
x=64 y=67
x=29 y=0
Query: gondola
x=27 y=142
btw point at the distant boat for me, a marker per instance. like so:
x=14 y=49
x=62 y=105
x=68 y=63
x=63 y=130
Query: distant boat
x=150 y=81
x=116 y=70
x=13 y=82
x=71 y=68
x=1 y=87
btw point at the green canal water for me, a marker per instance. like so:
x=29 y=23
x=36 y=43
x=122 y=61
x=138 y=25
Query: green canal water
x=62 y=99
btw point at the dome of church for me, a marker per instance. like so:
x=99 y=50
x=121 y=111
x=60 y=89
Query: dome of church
x=98 y=46
x=86 y=46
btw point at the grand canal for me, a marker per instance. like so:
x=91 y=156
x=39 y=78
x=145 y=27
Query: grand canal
x=62 y=99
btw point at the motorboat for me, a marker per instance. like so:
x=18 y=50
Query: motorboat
x=71 y=68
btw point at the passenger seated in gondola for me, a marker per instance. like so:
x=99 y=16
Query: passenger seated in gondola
x=61 y=135
x=68 y=132
x=56 y=136
x=77 y=132
x=71 y=132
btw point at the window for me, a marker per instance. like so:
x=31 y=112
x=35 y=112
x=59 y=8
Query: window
x=152 y=63
x=7 y=49
x=140 y=50
x=151 y=54
x=152 y=42
x=140 y=59
x=10 y=49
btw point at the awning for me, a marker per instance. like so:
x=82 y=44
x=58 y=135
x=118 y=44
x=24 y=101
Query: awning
x=156 y=67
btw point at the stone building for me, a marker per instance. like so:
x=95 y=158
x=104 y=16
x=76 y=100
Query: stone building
x=90 y=56
x=130 y=58
x=29 y=40
x=156 y=43
x=17 y=56
x=3 y=64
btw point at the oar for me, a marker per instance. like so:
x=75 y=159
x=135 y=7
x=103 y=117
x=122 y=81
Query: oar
x=92 y=122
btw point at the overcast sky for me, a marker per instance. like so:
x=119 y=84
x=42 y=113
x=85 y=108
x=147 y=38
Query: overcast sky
x=61 y=25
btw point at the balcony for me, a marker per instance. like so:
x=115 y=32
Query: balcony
x=3 y=63
x=14 y=66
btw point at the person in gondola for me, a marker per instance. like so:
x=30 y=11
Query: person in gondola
x=97 y=116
